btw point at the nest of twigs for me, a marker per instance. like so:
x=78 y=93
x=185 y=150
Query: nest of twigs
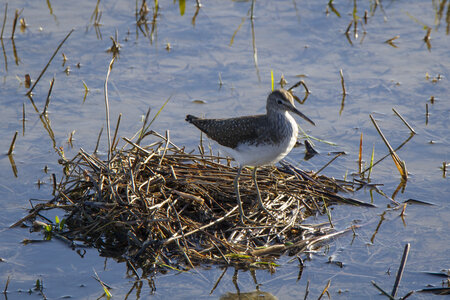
x=158 y=207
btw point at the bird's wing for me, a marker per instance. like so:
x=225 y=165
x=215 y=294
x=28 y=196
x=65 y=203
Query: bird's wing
x=231 y=132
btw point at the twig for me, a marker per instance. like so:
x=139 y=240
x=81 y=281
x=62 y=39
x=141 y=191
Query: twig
x=404 y=121
x=342 y=82
x=236 y=31
x=220 y=80
x=348 y=27
x=108 y=128
x=4 y=21
x=182 y=235
x=157 y=114
x=255 y=50
x=141 y=135
x=401 y=268
x=307 y=91
x=115 y=133
x=278 y=248
x=328 y=163
x=382 y=158
x=104 y=285
x=325 y=289
x=4 y=55
x=306 y=290
x=6 y=286
x=407 y=295
x=32 y=214
x=54 y=183
x=162 y=137
x=227 y=261
x=133 y=268
x=98 y=140
x=360 y=153
x=23 y=117
x=382 y=291
x=13 y=144
x=218 y=280
x=48 y=96
x=165 y=147
x=48 y=64
x=401 y=166
x=16 y=16
x=328 y=212
x=176 y=237
x=137 y=146
x=391 y=40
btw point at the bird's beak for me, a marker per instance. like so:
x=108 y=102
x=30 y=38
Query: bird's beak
x=295 y=110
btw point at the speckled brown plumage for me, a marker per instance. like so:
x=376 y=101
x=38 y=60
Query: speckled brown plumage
x=252 y=130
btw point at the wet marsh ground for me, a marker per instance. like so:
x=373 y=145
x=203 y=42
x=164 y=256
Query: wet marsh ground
x=216 y=61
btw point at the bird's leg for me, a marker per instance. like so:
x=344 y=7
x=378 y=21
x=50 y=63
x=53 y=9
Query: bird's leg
x=238 y=196
x=260 y=204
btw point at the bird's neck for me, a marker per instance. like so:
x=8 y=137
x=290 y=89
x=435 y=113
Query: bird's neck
x=282 y=122
x=277 y=116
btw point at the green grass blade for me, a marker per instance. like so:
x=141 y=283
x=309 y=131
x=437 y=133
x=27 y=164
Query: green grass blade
x=371 y=161
x=271 y=77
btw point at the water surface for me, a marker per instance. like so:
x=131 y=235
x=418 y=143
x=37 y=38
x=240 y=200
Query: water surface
x=291 y=38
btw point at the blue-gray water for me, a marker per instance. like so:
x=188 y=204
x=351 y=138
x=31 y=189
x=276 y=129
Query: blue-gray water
x=292 y=38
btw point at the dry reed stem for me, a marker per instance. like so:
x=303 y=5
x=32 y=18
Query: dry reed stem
x=13 y=144
x=47 y=101
x=16 y=17
x=108 y=126
x=341 y=74
x=401 y=166
x=401 y=268
x=48 y=64
x=4 y=21
x=404 y=121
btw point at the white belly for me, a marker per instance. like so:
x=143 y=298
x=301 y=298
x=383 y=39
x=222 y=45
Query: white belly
x=265 y=154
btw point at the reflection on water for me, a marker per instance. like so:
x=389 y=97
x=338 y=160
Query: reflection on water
x=255 y=295
x=356 y=59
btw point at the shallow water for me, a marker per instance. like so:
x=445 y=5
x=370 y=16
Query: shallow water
x=292 y=38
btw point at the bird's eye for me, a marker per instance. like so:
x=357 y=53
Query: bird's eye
x=279 y=102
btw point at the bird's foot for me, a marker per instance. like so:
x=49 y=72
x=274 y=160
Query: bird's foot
x=243 y=217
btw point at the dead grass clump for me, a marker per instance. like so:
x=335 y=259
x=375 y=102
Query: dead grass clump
x=160 y=207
